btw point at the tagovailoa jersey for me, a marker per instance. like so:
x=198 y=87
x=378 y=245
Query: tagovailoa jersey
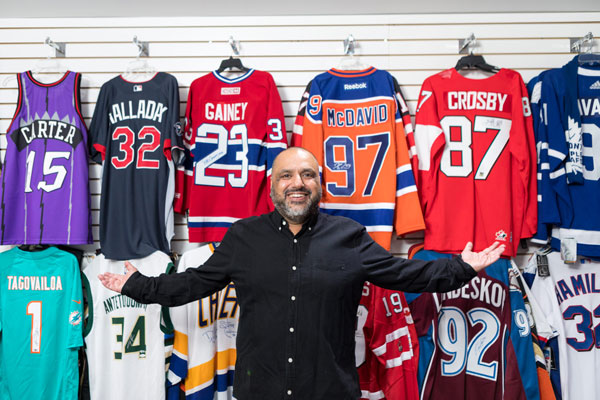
x=355 y=123
x=44 y=194
x=41 y=312
x=135 y=132
x=234 y=130
x=475 y=342
x=204 y=352
x=476 y=161
x=125 y=342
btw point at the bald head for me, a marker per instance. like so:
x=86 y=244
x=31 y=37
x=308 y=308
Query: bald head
x=294 y=156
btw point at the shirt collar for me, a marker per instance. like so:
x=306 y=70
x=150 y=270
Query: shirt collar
x=281 y=223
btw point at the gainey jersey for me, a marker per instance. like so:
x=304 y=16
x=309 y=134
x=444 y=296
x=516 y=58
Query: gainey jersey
x=355 y=123
x=124 y=339
x=44 y=194
x=135 y=132
x=234 y=130
x=204 y=352
x=41 y=314
x=476 y=161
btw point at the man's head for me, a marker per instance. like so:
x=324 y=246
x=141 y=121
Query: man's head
x=295 y=184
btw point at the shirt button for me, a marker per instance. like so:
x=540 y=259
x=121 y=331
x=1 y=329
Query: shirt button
x=293 y=298
x=290 y=360
x=293 y=267
x=289 y=392
x=310 y=228
x=295 y=240
x=279 y=228
x=283 y=223
x=291 y=329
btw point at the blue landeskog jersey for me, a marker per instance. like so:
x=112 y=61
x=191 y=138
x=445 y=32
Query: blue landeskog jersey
x=40 y=324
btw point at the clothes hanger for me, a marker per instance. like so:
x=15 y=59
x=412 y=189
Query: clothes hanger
x=233 y=63
x=33 y=247
x=472 y=61
x=49 y=69
x=139 y=70
x=587 y=57
x=350 y=62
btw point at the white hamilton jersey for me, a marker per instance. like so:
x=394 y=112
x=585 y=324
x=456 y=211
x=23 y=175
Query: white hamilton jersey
x=124 y=338
x=204 y=351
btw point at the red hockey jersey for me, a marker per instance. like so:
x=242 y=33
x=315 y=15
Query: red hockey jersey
x=234 y=130
x=476 y=161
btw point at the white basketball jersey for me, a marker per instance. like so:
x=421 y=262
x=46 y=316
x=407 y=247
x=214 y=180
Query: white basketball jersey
x=124 y=340
x=204 y=352
x=570 y=299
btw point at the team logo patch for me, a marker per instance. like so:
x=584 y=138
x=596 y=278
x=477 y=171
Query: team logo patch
x=75 y=318
x=231 y=90
x=178 y=128
x=137 y=88
x=501 y=235
x=595 y=85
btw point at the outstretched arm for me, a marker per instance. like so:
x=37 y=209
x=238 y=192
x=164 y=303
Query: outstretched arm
x=116 y=282
x=484 y=258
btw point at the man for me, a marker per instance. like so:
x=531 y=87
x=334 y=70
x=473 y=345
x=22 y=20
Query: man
x=299 y=275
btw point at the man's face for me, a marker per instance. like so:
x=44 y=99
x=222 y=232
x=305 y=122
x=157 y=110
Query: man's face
x=295 y=185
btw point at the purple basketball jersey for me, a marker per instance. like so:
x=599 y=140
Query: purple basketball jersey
x=44 y=192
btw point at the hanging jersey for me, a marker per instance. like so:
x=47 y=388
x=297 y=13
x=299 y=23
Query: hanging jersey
x=355 y=123
x=136 y=134
x=204 y=352
x=475 y=342
x=44 y=195
x=386 y=346
x=124 y=340
x=234 y=130
x=40 y=324
x=476 y=161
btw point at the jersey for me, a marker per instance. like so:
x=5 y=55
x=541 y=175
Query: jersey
x=44 y=194
x=386 y=346
x=355 y=123
x=475 y=342
x=41 y=314
x=136 y=134
x=476 y=161
x=124 y=339
x=570 y=300
x=234 y=130
x=204 y=352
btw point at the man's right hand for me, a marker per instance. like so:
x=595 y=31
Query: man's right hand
x=116 y=281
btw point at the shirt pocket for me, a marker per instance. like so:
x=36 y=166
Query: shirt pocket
x=330 y=277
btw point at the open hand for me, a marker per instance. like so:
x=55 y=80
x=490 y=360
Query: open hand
x=117 y=281
x=484 y=258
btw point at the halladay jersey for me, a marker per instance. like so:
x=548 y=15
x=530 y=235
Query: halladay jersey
x=475 y=342
x=136 y=133
x=44 y=193
x=234 y=130
x=204 y=352
x=386 y=346
x=570 y=300
x=124 y=339
x=41 y=314
x=476 y=161
x=355 y=123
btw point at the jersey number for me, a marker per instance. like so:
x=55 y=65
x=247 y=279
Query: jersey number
x=591 y=335
x=462 y=146
x=126 y=147
x=34 y=308
x=453 y=338
x=346 y=165
x=136 y=341
x=59 y=171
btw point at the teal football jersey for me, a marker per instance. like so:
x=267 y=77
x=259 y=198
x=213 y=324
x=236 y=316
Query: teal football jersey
x=40 y=324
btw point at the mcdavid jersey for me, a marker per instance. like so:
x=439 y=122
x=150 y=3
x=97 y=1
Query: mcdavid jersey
x=476 y=161
x=475 y=342
x=40 y=324
x=124 y=340
x=386 y=346
x=204 y=352
x=135 y=133
x=44 y=194
x=234 y=130
x=570 y=300
x=355 y=123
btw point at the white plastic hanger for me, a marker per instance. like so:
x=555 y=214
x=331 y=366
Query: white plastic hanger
x=46 y=70
x=350 y=62
x=139 y=70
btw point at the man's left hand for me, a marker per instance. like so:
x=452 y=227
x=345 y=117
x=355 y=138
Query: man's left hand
x=484 y=258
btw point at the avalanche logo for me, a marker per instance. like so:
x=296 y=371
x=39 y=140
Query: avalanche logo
x=501 y=235
x=75 y=318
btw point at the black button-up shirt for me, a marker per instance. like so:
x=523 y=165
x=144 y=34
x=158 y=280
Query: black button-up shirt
x=298 y=298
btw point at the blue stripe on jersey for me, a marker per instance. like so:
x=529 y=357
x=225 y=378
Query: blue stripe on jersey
x=257 y=154
x=405 y=179
x=178 y=366
x=209 y=224
x=232 y=80
x=365 y=217
x=220 y=384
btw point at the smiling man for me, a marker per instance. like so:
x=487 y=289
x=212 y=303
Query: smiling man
x=299 y=275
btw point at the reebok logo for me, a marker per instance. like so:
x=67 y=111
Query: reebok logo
x=137 y=88
x=595 y=85
x=354 y=86
x=231 y=90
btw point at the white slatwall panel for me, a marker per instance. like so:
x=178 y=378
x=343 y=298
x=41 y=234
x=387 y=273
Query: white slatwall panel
x=294 y=49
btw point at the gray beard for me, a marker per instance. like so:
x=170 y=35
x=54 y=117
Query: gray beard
x=297 y=216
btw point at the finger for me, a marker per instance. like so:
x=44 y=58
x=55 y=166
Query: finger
x=130 y=268
x=469 y=247
x=493 y=247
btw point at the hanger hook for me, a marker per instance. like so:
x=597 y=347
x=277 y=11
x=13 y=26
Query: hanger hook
x=467 y=44
x=235 y=46
x=142 y=47
x=59 y=48
x=349 y=45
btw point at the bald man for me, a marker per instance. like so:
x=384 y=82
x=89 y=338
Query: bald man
x=299 y=275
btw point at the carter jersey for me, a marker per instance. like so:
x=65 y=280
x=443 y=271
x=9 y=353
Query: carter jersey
x=124 y=339
x=570 y=299
x=386 y=346
x=44 y=195
x=204 y=352
x=40 y=324
x=355 y=123
x=234 y=130
x=135 y=132
x=475 y=342
x=476 y=161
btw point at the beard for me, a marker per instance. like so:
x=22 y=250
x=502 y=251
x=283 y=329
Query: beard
x=297 y=214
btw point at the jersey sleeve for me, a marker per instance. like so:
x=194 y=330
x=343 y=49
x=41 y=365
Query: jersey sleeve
x=98 y=133
x=312 y=125
x=75 y=309
x=276 y=138
x=299 y=121
x=184 y=175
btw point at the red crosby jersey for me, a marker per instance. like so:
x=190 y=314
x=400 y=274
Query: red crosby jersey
x=386 y=346
x=476 y=161
x=234 y=130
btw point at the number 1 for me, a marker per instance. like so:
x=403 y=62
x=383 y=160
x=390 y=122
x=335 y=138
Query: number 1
x=34 y=308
